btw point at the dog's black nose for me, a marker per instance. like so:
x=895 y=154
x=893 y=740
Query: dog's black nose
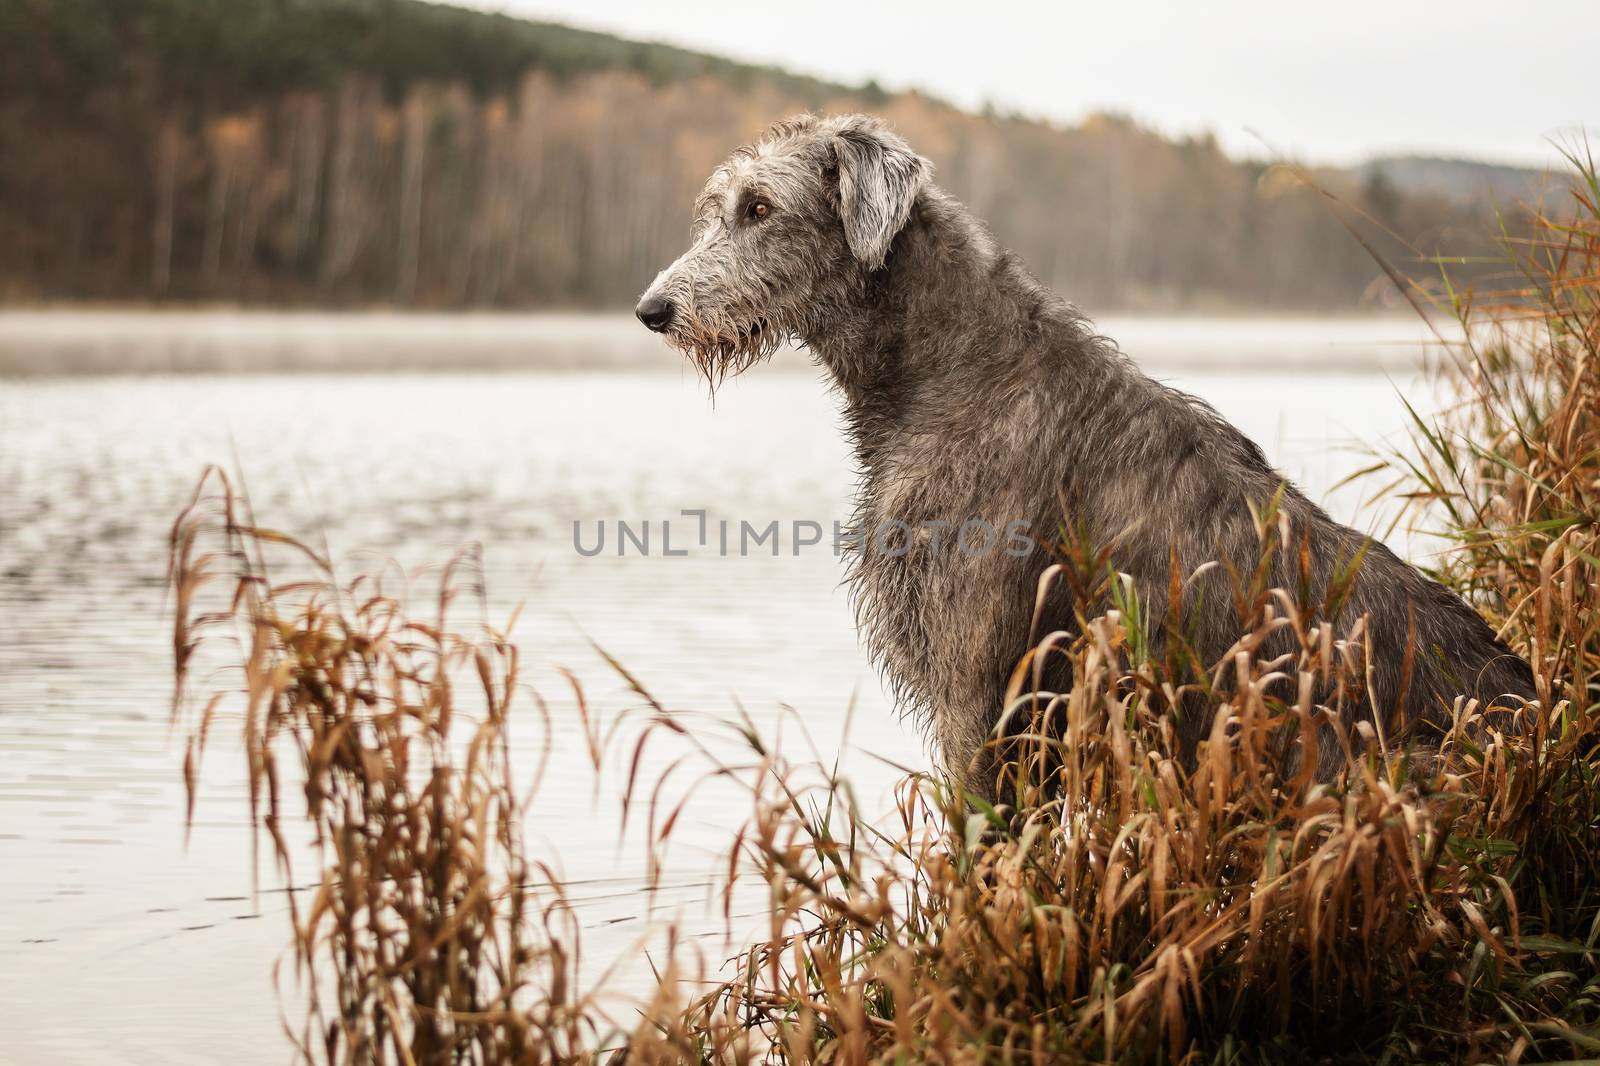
x=655 y=312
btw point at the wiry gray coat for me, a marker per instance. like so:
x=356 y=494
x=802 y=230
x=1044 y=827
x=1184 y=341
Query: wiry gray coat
x=973 y=392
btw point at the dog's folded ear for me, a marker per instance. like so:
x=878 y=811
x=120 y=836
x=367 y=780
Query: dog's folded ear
x=879 y=178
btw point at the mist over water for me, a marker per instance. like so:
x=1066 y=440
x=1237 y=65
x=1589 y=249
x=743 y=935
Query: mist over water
x=107 y=916
x=53 y=342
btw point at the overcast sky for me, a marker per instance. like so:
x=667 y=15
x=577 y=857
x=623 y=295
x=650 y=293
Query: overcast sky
x=1328 y=81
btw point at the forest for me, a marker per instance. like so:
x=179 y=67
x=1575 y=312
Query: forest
x=394 y=152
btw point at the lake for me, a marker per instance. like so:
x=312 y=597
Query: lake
x=407 y=437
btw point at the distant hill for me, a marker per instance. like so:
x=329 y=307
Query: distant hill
x=1461 y=180
x=395 y=152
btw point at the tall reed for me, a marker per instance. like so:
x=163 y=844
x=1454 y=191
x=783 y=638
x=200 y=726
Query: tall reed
x=432 y=935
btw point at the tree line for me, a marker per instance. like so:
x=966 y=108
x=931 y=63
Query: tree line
x=347 y=152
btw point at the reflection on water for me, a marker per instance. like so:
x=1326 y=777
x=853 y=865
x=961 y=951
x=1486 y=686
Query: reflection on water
x=119 y=945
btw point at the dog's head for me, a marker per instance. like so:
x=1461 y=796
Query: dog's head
x=782 y=228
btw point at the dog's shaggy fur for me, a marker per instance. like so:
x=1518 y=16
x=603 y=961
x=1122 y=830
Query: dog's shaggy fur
x=973 y=392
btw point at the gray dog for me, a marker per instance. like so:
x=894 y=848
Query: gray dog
x=976 y=398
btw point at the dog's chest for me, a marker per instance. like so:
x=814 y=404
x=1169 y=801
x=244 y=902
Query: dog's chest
x=939 y=529
x=932 y=478
x=917 y=490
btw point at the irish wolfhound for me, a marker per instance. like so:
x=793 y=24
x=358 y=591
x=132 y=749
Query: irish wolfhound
x=973 y=394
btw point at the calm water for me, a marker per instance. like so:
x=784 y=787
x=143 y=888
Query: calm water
x=118 y=945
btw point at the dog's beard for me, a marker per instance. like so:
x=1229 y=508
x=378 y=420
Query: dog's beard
x=722 y=346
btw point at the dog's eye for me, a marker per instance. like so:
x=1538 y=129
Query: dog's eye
x=757 y=211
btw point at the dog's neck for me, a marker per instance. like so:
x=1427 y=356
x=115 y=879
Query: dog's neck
x=941 y=322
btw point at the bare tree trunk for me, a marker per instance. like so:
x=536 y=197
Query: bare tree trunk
x=309 y=141
x=167 y=149
x=1116 y=220
x=249 y=225
x=339 y=240
x=414 y=133
x=216 y=218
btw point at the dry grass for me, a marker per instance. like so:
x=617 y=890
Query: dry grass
x=432 y=937
x=1125 y=904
